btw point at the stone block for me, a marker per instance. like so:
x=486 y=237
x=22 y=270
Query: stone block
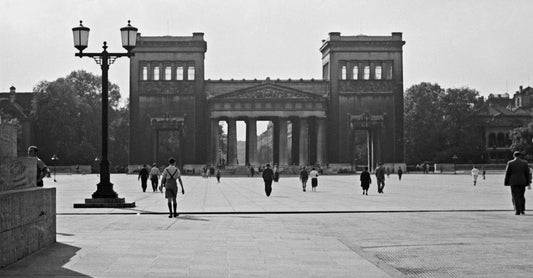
x=17 y=172
x=8 y=140
x=27 y=222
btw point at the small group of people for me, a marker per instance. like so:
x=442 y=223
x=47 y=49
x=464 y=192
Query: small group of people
x=380 y=172
x=153 y=174
x=304 y=176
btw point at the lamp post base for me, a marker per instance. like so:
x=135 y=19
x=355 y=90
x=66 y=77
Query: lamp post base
x=105 y=197
x=105 y=203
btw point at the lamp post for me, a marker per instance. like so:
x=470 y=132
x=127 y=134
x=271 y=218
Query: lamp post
x=454 y=164
x=55 y=159
x=97 y=162
x=104 y=59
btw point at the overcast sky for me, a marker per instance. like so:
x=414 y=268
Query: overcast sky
x=486 y=45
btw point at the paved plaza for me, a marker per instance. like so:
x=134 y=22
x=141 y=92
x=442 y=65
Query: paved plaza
x=423 y=226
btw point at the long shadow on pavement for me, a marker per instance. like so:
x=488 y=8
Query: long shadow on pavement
x=48 y=262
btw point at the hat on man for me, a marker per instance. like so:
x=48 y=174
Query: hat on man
x=516 y=153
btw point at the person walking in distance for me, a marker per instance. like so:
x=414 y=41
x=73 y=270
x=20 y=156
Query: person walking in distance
x=143 y=176
x=518 y=176
x=483 y=172
x=42 y=170
x=303 y=177
x=365 y=181
x=170 y=175
x=380 y=177
x=400 y=173
x=218 y=175
x=314 y=179
x=268 y=177
x=154 y=176
x=475 y=174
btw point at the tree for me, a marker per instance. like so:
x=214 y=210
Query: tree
x=440 y=124
x=68 y=118
x=422 y=122
x=463 y=135
x=522 y=140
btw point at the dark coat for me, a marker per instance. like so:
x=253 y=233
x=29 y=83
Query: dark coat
x=365 y=179
x=268 y=174
x=517 y=173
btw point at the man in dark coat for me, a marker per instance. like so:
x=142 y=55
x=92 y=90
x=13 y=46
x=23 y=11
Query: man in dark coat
x=268 y=176
x=143 y=176
x=365 y=181
x=517 y=175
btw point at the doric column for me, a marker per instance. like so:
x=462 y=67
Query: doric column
x=321 y=141
x=251 y=140
x=232 y=142
x=369 y=150
x=156 y=144
x=295 y=147
x=283 y=148
x=275 y=141
x=214 y=142
x=304 y=142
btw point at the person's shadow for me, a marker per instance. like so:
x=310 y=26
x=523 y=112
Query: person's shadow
x=48 y=262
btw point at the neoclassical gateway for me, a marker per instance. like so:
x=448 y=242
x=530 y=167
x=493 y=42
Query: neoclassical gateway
x=354 y=114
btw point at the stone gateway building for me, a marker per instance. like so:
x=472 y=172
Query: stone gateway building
x=354 y=114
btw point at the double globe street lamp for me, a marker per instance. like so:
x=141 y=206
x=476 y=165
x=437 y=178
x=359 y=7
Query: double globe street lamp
x=104 y=192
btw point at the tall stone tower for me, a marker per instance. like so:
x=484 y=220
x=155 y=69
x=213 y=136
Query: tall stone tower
x=167 y=100
x=366 y=95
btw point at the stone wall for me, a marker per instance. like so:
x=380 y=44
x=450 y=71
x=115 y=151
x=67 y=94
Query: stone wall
x=27 y=212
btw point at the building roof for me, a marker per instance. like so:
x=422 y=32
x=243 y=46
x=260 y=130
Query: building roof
x=17 y=104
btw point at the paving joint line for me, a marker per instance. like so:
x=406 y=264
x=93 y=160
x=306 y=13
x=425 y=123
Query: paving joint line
x=283 y=212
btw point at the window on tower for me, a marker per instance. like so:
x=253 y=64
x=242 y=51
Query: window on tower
x=378 y=73
x=366 y=73
x=343 y=73
x=355 y=73
x=156 y=73
x=168 y=73
x=179 y=73
x=145 y=73
x=190 y=73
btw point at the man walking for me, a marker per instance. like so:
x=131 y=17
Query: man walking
x=475 y=173
x=143 y=176
x=42 y=170
x=380 y=177
x=170 y=175
x=268 y=177
x=154 y=176
x=517 y=176
x=303 y=177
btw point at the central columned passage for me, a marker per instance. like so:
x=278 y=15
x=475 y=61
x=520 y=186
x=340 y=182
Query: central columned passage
x=304 y=142
x=251 y=141
x=232 y=142
x=283 y=146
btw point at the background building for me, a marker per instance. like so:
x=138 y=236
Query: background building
x=175 y=111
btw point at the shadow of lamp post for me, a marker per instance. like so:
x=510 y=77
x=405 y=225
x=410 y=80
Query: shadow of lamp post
x=104 y=196
x=54 y=160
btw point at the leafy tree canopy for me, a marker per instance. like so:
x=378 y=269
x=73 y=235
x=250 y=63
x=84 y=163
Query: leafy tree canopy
x=68 y=119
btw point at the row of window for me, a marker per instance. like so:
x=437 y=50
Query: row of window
x=157 y=73
x=366 y=70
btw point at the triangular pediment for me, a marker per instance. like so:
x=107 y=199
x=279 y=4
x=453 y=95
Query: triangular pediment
x=269 y=91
